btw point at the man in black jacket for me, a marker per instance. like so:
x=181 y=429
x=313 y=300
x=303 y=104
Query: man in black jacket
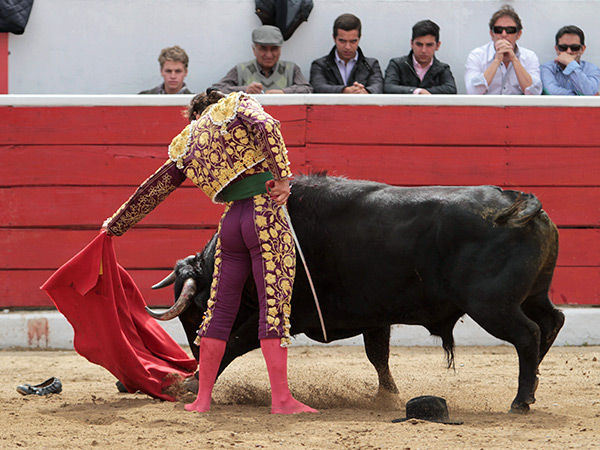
x=345 y=69
x=420 y=72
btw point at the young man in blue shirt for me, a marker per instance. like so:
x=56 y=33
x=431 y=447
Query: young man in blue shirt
x=567 y=74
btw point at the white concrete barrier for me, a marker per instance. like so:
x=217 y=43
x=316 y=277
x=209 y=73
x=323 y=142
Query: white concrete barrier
x=50 y=329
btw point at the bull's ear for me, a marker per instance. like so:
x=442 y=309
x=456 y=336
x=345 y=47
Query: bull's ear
x=196 y=261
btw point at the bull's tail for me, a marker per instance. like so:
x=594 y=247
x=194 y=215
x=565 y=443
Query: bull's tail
x=448 y=346
x=524 y=208
x=444 y=331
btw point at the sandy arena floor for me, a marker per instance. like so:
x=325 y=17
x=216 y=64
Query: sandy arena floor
x=91 y=413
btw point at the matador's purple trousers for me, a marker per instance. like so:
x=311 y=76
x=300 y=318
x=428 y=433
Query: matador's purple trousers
x=253 y=236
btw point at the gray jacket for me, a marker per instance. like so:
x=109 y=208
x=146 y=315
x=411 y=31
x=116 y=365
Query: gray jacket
x=160 y=89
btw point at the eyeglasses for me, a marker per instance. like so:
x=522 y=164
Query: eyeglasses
x=509 y=30
x=573 y=47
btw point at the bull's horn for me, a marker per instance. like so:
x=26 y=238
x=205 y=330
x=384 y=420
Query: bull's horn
x=185 y=298
x=170 y=279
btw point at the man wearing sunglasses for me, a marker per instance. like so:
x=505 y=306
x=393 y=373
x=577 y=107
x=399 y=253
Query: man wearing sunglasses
x=567 y=74
x=501 y=67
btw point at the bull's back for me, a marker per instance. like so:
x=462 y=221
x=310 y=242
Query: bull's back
x=383 y=216
x=373 y=242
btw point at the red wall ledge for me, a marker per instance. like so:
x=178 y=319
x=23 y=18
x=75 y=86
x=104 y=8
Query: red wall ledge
x=67 y=162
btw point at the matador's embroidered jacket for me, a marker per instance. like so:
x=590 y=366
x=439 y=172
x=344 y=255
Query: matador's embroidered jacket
x=233 y=138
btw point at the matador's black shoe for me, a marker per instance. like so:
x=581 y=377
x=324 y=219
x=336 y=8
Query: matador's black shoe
x=51 y=386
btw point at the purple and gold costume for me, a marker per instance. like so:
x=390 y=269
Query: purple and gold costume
x=233 y=140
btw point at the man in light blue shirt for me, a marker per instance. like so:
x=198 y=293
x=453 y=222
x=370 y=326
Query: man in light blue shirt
x=567 y=74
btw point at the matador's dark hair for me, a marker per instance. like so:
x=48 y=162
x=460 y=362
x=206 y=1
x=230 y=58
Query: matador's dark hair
x=202 y=101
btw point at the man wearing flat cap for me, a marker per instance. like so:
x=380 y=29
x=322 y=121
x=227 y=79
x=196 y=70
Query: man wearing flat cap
x=265 y=74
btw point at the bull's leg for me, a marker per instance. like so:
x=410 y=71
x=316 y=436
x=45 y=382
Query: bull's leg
x=377 y=347
x=515 y=327
x=550 y=320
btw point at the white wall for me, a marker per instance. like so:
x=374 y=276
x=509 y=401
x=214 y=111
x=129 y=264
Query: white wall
x=111 y=46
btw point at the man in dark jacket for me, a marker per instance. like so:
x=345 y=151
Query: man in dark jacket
x=420 y=72
x=345 y=69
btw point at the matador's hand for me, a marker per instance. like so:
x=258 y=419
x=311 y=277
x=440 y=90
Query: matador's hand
x=279 y=190
x=105 y=227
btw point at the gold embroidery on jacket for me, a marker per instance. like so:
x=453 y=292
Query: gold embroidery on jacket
x=141 y=203
x=217 y=158
x=180 y=147
x=225 y=110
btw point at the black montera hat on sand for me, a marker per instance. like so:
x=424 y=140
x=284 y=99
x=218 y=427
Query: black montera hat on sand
x=428 y=407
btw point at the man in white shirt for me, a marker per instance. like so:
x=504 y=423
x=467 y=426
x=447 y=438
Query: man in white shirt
x=501 y=67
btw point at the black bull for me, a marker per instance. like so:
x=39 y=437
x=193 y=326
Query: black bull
x=381 y=255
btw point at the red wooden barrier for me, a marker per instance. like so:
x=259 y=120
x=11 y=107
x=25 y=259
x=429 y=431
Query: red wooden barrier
x=88 y=206
x=63 y=170
x=117 y=125
x=20 y=288
x=452 y=126
x=502 y=166
x=151 y=248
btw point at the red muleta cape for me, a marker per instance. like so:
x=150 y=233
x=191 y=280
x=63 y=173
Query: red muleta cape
x=112 y=329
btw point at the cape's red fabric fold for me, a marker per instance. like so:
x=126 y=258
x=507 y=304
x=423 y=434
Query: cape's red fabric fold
x=106 y=309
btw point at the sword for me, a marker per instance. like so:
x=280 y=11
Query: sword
x=269 y=185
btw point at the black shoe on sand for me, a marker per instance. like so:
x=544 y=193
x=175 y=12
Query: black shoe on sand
x=51 y=386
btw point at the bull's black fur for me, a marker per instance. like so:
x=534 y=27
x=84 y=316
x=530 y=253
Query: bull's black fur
x=382 y=255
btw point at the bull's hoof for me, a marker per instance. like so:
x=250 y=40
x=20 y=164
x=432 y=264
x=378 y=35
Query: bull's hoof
x=519 y=408
x=387 y=400
x=191 y=384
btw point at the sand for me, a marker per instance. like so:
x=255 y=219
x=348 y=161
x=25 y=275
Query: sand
x=91 y=413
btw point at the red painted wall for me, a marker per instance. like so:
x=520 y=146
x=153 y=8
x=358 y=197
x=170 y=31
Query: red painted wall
x=63 y=170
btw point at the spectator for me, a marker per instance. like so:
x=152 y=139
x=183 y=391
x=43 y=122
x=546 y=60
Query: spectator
x=265 y=74
x=567 y=74
x=346 y=69
x=173 y=68
x=420 y=72
x=500 y=67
